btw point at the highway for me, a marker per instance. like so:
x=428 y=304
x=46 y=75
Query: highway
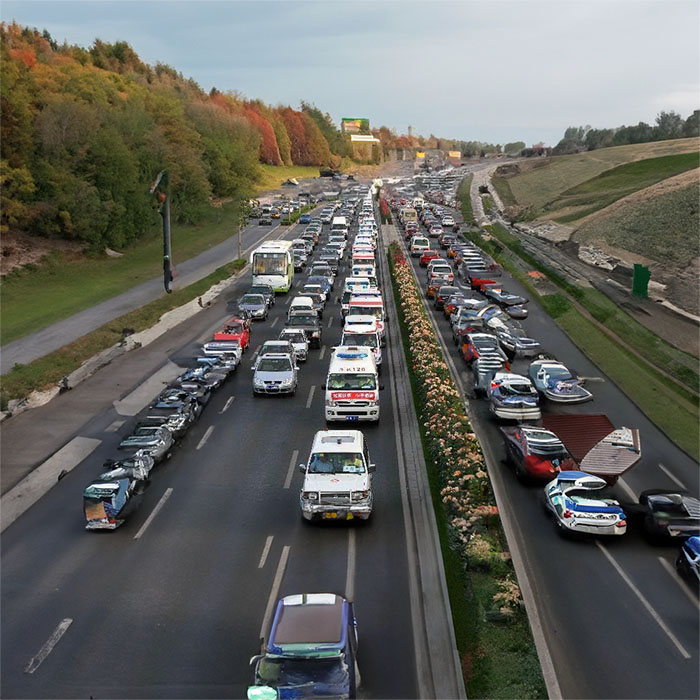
x=173 y=603
x=618 y=622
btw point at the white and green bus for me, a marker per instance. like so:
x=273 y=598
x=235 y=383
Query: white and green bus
x=273 y=264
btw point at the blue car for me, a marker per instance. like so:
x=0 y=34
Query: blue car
x=305 y=219
x=311 y=650
x=688 y=561
x=323 y=281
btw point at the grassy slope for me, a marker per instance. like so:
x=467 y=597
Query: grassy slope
x=635 y=227
x=273 y=176
x=544 y=180
x=35 y=298
x=614 y=184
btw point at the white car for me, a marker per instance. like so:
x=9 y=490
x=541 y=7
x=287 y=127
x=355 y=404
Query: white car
x=337 y=477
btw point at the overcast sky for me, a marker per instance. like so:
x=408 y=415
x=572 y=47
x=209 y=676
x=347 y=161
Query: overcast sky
x=486 y=70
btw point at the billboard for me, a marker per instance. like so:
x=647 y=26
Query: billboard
x=354 y=125
x=420 y=154
x=454 y=154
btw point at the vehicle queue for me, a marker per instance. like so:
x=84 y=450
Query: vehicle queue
x=578 y=456
x=337 y=476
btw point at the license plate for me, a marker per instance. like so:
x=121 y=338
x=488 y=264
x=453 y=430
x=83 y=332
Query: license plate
x=351 y=417
x=330 y=515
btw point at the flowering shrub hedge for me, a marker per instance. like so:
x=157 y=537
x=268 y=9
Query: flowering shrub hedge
x=450 y=443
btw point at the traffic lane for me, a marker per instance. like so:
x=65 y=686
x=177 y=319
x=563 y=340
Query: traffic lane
x=174 y=500
x=608 y=398
x=570 y=562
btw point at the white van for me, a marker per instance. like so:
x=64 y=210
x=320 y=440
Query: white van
x=372 y=306
x=352 y=385
x=337 y=477
x=363 y=332
x=301 y=303
x=339 y=225
x=365 y=272
x=419 y=244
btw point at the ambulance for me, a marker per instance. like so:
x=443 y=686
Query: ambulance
x=369 y=305
x=352 y=386
x=363 y=331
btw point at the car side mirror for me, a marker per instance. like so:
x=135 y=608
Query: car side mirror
x=254 y=659
x=302 y=468
x=381 y=387
x=372 y=468
x=323 y=386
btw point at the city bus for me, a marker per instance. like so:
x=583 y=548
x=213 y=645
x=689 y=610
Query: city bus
x=273 y=264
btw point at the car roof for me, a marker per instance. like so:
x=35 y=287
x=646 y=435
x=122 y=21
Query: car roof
x=338 y=441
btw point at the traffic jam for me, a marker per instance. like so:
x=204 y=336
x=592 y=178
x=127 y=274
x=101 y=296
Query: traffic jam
x=313 y=637
x=577 y=455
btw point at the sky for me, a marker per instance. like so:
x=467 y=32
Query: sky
x=488 y=70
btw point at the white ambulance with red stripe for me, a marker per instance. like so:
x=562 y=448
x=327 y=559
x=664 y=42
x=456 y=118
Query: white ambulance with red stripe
x=352 y=386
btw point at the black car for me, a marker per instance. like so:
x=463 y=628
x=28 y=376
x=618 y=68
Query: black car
x=266 y=290
x=310 y=324
x=668 y=514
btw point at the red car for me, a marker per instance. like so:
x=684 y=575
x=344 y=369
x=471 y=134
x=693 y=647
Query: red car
x=427 y=256
x=536 y=453
x=235 y=329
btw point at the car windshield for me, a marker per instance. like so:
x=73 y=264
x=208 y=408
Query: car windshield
x=352 y=381
x=517 y=389
x=336 y=463
x=252 y=299
x=368 y=340
x=373 y=311
x=274 y=364
x=281 y=672
x=259 y=289
x=558 y=374
x=233 y=328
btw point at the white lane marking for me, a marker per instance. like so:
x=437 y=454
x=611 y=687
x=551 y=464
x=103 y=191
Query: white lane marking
x=287 y=300
x=675 y=480
x=44 y=478
x=350 y=575
x=205 y=437
x=592 y=379
x=330 y=321
x=51 y=642
x=155 y=512
x=255 y=353
x=322 y=353
x=266 y=551
x=228 y=403
x=647 y=605
x=274 y=591
x=674 y=575
x=274 y=323
x=627 y=489
x=137 y=399
x=311 y=396
x=290 y=470
x=114 y=426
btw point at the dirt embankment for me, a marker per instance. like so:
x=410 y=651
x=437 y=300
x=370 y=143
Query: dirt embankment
x=19 y=249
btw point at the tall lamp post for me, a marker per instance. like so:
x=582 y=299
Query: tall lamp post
x=161 y=189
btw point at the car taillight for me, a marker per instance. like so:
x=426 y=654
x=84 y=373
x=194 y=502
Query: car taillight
x=621 y=523
x=568 y=514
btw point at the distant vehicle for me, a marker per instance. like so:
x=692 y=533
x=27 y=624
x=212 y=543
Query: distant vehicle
x=273 y=264
x=266 y=290
x=311 y=651
x=299 y=342
x=235 y=329
x=688 y=560
x=153 y=441
x=556 y=383
x=309 y=323
x=275 y=373
x=305 y=218
x=255 y=305
x=668 y=514
x=570 y=499
x=535 y=453
x=513 y=397
x=265 y=220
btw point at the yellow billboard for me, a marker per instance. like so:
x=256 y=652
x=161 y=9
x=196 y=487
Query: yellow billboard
x=420 y=154
x=454 y=154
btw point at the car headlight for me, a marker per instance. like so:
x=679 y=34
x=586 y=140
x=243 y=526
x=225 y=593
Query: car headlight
x=331 y=404
x=287 y=382
x=360 y=495
x=310 y=495
x=258 y=382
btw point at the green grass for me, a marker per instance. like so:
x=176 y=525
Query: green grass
x=613 y=184
x=502 y=187
x=294 y=216
x=33 y=299
x=487 y=202
x=499 y=660
x=663 y=228
x=47 y=371
x=464 y=198
x=543 y=180
x=274 y=175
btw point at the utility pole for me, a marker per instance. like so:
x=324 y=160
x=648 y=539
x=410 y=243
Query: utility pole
x=161 y=188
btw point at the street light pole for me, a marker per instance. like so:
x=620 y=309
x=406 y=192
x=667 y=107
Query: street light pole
x=161 y=188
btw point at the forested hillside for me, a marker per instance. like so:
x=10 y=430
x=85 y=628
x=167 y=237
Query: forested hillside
x=85 y=132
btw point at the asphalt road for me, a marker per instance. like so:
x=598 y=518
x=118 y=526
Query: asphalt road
x=171 y=604
x=617 y=619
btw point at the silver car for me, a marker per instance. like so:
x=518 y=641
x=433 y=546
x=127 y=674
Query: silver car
x=275 y=373
x=153 y=441
x=299 y=342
